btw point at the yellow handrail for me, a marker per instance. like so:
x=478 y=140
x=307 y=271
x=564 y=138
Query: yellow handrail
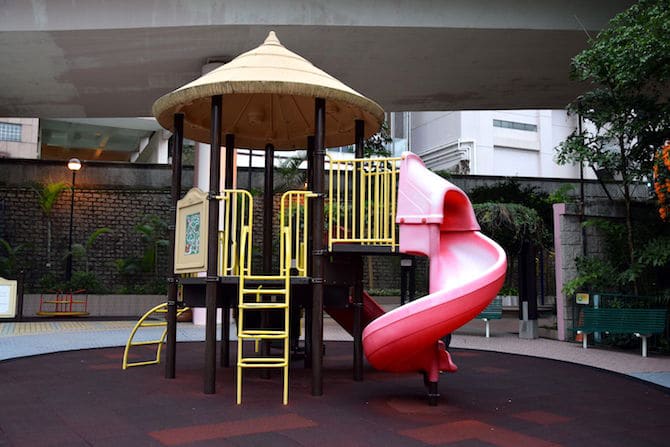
x=362 y=201
x=159 y=309
x=237 y=216
x=293 y=218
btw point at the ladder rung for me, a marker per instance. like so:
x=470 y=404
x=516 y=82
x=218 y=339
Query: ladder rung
x=261 y=363
x=246 y=291
x=260 y=306
x=263 y=335
x=154 y=324
x=146 y=343
x=148 y=362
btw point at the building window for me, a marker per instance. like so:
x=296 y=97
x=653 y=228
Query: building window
x=514 y=125
x=10 y=132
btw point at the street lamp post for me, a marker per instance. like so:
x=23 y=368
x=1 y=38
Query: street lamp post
x=73 y=165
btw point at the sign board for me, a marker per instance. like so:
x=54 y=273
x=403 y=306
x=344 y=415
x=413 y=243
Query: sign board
x=191 y=233
x=7 y=298
x=582 y=298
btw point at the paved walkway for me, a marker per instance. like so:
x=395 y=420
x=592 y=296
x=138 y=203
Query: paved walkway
x=42 y=337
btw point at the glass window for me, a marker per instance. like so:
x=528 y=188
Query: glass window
x=514 y=125
x=10 y=132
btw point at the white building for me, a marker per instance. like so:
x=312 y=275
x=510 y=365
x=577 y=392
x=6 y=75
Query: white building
x=503 y=142
x=19 y=138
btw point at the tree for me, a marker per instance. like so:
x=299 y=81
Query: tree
x=82 y=251
x=627 y=112
x=47 y=196
x=290 y=173
x=376 y=144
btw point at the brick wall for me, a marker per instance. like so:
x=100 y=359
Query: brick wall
x=22 y=223
x=118 y=196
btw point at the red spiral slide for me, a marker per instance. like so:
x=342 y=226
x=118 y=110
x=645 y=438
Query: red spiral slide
x=467 y=269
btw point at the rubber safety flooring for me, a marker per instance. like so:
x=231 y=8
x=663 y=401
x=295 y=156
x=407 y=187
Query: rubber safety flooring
x=83 y=398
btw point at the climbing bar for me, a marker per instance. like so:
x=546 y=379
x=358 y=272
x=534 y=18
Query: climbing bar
x=144 y=322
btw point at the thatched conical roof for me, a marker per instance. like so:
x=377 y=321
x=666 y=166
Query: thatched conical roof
x=268 y=97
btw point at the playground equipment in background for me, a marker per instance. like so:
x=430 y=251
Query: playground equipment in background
x=149 y=320
x=467 y=270
x=64 y=304
x=435 y=219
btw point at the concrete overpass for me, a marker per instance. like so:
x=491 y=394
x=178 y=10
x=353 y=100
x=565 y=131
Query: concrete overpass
x=101 y=58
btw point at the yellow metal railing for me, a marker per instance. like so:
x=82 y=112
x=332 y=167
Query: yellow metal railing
x=268 y=292
x=293 y=218
x=362 y=199
x=161 y=311
x=237 y=216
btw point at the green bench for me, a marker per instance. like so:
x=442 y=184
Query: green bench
x=640 y=322
x=492 y=312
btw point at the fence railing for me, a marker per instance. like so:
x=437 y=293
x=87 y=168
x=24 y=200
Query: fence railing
x=237 y=216
x=362 y=201
x=294 y=223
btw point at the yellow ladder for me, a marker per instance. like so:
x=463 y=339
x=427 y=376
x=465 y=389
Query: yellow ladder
x=160 y=310
x=276 y=291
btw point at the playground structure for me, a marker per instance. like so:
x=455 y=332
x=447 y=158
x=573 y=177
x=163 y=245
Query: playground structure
x=270 y=97
x=63 y=304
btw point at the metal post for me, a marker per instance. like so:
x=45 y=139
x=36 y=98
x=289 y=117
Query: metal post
x=212 y=246
x=68 y=265
x=310 y=247
x=358 y=320
x=268 y=208
x=225 y=326
x=318 y=246
x=249 y=169
x=268 y=205
x=19 y=295
x=176 y=142
x=358 y=280
x=412 y=280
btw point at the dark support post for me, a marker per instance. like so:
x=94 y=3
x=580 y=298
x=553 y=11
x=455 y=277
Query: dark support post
x=405 y=273
x=310 y=163
x=212 y=247
x=68 y=261
x=358 y=321
x=358 y=172
x=267 y=208
x=358 y=280
x=268 y=214
x=318 y=246
x=176 y=143
x=527 y=292
x=19 y=295
x=310 y=247
x=225 y=326
x=412 y=280
x=250 y=165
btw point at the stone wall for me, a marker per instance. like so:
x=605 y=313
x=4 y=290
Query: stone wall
x=23 y=224
x=119 y=196
x=98 y=305
x=575 y=241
